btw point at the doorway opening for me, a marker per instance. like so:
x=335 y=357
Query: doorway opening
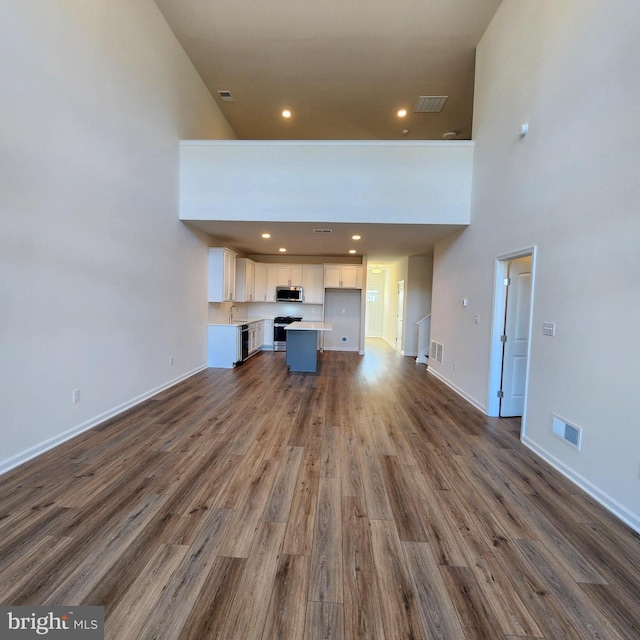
x=511 y=334
x=400 y=316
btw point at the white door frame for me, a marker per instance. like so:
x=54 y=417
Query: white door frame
x=400 y=292
x=497 y=328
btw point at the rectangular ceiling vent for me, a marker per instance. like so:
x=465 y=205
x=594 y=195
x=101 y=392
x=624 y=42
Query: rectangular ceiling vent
x=569 y=433
x=322 y=231
x=225 y=96
x=430 y=104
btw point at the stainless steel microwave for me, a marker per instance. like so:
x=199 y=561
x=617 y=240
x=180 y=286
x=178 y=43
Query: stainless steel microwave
x=288 y=294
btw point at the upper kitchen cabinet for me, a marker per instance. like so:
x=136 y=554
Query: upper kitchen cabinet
x=284 y=275
x=261 y=290
x=245 y=280
x=313 y=284
x=343 y=276
x=222 y=274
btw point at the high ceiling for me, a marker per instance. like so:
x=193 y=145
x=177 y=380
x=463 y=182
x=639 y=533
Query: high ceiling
x=343 y=67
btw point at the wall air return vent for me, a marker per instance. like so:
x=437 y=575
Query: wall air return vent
x=436 y=352
x=430 y=104
x=225 y=96
x=571 y=434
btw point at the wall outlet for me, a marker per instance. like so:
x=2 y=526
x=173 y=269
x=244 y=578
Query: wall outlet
x=75 y=396
x=476 y=319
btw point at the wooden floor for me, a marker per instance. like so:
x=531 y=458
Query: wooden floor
x=366 y=501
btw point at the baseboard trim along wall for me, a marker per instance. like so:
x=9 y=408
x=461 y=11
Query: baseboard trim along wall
x=629 y=518
x=459 y=391
x=618 y=510
x=33 y=452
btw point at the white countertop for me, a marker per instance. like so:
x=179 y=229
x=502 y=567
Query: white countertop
x=235 y=323
x=309 y=326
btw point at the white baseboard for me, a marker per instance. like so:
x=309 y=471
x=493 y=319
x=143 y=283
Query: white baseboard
x=33 y=452
x=609 y=503
x=618 y=510
x=459 y=391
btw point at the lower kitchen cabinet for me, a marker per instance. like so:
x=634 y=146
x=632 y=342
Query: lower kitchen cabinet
x=267 y=341
x=224 y=348
x=256 y=337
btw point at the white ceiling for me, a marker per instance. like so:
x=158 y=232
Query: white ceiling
x=343 y=67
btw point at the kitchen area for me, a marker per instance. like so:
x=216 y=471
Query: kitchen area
x=254 y=306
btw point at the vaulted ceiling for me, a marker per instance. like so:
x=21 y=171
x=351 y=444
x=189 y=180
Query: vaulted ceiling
x=344 y=68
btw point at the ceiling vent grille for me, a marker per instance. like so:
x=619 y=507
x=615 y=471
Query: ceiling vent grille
x=430 y=104
x=225 y=96
x=322 y=231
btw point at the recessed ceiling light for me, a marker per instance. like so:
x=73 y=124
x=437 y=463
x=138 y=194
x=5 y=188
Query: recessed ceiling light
x=402 y=113
x=266 y=235
x=356 y=237
x=282 y=249
x=286 y=113
x=352 y=250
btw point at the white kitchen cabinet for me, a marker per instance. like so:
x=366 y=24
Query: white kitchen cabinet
x=296 y=275
x=312 y=284
x=222 y=274
x=267 y=339
x=343 y=276
x=284 y=275
x=224 y=346
x=245 y=280
x=261 y=290
x=256 y=336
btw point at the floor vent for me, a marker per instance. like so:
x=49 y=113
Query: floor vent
x=322 y=231
x=571 y=434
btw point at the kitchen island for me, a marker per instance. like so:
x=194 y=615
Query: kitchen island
x=302 y=345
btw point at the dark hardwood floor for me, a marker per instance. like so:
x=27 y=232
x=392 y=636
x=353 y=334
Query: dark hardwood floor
x=366 y=501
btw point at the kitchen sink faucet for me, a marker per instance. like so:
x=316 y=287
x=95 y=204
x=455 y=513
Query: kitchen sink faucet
x=233 y=306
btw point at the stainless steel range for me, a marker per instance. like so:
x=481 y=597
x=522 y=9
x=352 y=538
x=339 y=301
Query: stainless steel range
x=279 y=333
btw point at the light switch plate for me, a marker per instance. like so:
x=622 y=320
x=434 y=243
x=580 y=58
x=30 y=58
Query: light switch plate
x=549 y=329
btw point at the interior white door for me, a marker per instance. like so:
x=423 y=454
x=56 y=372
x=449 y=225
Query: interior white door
x=400 y=316
x=516 y=330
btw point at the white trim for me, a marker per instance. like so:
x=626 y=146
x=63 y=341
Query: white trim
x=460 y=392
x=33 y=452
x=618 y=510
x=609 y=503
x=327 y=143
x=497 y=326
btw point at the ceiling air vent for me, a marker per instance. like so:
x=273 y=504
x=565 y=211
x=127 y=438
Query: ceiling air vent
x=225 y=96
x=322 y=231
x=430 y=104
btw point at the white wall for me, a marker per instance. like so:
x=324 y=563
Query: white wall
x=570 y=187
x=100 y=283
x=333 y=181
